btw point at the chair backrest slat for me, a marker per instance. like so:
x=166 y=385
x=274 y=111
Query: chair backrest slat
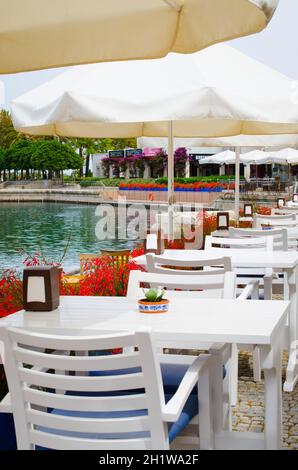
x=262 y=244
x=84 y=363
x=260 y=220
x=279 y=223
x=72 y=402
x=62 y=343
x=68 y=423
x=49 y=441
x=84 y=384
x=160 y=264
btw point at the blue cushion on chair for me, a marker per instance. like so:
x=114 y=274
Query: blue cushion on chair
x=190 y=410
x=172 y=375
x=7 y=432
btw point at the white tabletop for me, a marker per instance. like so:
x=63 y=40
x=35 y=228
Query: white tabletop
x=194 y=320
x=241 y=258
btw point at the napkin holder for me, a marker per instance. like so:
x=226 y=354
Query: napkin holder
x=41 y=288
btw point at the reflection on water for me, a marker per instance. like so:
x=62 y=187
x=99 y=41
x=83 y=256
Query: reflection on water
x=48 y=227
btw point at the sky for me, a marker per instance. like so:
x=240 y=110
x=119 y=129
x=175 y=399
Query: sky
x=276 y=46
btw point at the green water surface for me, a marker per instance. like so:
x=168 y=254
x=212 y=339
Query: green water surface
x=50 y=227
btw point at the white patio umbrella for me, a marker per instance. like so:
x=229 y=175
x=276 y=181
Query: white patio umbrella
x=214 y=93
x=235 y=158
x=36 y=34
x=220 y=158
x=287 y=156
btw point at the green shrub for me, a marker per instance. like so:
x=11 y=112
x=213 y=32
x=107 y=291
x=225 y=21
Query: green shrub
x=114 y=182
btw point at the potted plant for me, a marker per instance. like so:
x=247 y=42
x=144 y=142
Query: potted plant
x=153 y=302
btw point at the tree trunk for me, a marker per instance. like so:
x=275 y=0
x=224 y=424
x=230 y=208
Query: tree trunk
x=87 y=165
x=81 y=173
x=50 y=174
x=27 y=174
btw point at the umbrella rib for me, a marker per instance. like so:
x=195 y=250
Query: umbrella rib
x=176 y=4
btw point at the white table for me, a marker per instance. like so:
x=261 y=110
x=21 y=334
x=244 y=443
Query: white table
x=286 y=262
x=194 y=321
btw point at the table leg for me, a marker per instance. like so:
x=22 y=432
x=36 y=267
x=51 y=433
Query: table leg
x=221 y=393
x=271 y=361
x=271 y=439
x=292 y=368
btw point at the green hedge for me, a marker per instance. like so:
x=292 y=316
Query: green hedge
x=196 y=179
x=114 y=182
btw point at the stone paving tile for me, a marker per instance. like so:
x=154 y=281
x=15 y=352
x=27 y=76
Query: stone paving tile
x=248 y=415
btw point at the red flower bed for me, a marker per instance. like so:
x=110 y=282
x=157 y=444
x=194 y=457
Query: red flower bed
x=11 y=293
x=198 y=186
x=106 y=277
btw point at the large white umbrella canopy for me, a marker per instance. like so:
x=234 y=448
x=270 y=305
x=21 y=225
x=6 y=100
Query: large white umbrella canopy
x=36 y=34
x=274 y=141
x=215 y=92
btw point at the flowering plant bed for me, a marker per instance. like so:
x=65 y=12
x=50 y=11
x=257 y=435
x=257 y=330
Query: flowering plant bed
x=103 y=277
x=194 y=187
x=11 y=292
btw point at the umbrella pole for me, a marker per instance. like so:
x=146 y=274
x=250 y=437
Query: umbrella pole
x=289 y=174
x=237 y=184
x=171 y=194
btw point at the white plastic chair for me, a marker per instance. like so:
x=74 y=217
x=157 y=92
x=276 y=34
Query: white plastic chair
x=123 y=407
x=281 y=242
x=245 y=275
x=162 y=265
x=279 y=236
x=287 y=222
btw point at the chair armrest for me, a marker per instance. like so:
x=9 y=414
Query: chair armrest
x=173 y=409
x=250 y=290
